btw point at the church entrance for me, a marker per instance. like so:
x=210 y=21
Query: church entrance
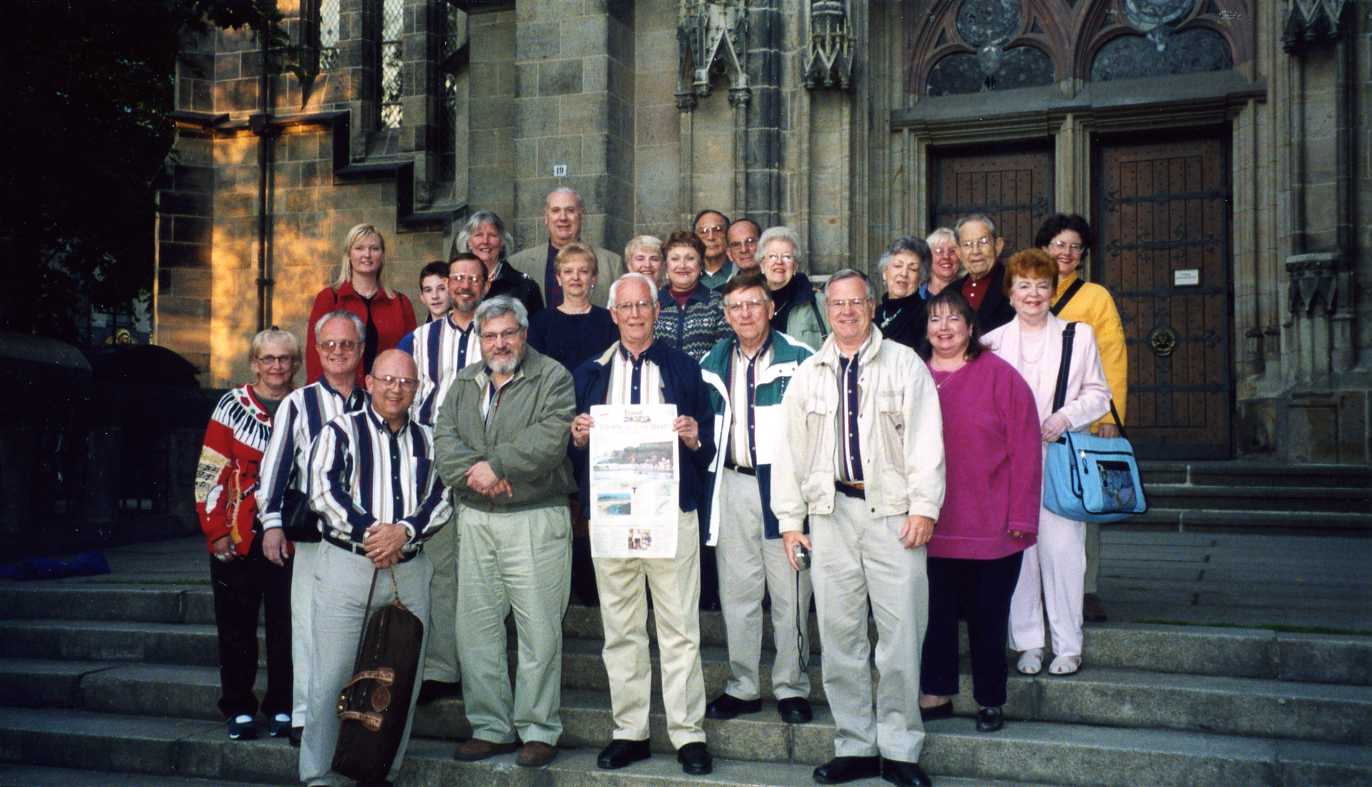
x=1162 y=221
x=1014 y=186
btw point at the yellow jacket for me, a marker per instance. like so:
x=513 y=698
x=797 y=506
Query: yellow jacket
x=1093 y=305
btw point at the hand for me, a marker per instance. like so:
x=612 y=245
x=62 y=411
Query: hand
x=916 y=531
x=581 y=430
x=275 y=547
x=222 y=548
x=501 y=487
x=383 y=542
x=1108 y=430
x=1054 y=426
x=790 y=538
x=688 y=430
x=480 y=478
x=1017 y=534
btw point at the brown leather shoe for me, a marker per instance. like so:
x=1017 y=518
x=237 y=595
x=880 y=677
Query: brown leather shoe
x=535 y=754
x=475 y=750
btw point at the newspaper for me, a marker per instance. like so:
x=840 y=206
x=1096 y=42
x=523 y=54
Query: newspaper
x=634 y=479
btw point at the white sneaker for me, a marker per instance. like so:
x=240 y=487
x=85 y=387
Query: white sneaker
x=1030 y=662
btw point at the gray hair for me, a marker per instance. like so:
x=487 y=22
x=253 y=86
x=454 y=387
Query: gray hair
x=500 y=306
x=941 y=234
x=849 y=273
x=341 y=314
x=907 y=245
x=580 y=205
x=781 y=233
x=485 y=217
x=632 y=276
x=975 y=217
x=273 y=334
x=639 y=241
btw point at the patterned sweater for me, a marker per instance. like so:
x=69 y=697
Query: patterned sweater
x=226 y=476
x=694 y=329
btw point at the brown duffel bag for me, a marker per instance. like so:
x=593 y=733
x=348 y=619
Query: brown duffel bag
x=376 y=702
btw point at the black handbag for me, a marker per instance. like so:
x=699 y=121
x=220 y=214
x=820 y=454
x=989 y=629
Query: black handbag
x=375 y=704
x=299 y=522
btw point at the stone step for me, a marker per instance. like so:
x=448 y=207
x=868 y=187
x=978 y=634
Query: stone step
x=1258 y=498
x=1097 y=695
x=1255 y=474
x=1197 y=650
x=1022 y=752
x=41 y=776
x=1304 y=523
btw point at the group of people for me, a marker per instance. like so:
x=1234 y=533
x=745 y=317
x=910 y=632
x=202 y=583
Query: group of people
x=881 y=455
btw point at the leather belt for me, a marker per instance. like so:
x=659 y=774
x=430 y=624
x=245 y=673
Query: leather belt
x=854 y=491
x=358 y=549
x=744 y=470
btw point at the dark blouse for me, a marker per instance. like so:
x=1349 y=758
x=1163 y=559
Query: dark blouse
x=572 y=339
x=903 y=319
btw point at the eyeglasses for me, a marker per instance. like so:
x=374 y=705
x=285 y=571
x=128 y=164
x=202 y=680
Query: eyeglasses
x=272 y=360
x=1059 y=245
x=346 y=345
x=980 y=242
x=738 y=307
x=391 y=381
x=779 y=257
x=633 y=306
x=839 y=304
x=465 y=278
x=743 y=244
x=505 y=335
x=713 y=229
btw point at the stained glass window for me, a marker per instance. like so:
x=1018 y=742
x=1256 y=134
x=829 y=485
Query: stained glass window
x=1186 y=52
x=392 y=53
x=328 y=34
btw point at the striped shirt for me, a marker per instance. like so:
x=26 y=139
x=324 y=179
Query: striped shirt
x=743 y=376
x=848 y=453
x=633 y=380
x=440 y=350
x=286 y=462
x=361 y=473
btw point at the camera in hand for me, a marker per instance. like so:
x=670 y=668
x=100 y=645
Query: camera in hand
x=802 y=556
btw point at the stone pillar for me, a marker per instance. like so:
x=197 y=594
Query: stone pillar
x=574 y=91
x=762 y=101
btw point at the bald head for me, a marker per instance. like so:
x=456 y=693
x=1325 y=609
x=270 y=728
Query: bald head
x=392 y=385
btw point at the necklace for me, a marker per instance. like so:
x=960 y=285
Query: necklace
x=947 y=374
x=1042 y=342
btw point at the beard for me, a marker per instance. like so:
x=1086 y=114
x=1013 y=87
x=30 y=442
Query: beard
x=506 y=364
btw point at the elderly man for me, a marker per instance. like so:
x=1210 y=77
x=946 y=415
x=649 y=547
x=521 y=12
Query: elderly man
x=562 y=214
x=748 y=374
x=979 y=248
x=637 y=370
x=441 y=349
x=716 y=268
x=742 y=239
x=863 y=459
x=372 y=483
x=282 y=493
x=501 y=446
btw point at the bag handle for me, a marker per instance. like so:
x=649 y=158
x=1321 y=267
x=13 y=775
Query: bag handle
x=1066 y=296
x=366 y=615
x=1060 y=392
x=1118 y=423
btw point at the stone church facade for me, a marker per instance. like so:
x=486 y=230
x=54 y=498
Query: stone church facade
x=1220 y=149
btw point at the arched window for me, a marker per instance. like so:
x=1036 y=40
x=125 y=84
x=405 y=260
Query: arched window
x=979 y=45
x=328 y=34
x=392 y=62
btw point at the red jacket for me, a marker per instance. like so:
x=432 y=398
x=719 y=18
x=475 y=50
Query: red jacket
x=226 y=477
x=392 y=317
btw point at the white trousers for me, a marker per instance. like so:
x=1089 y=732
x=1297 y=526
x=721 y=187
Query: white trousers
x=749 y=565
x=341 y=583
x=675 y=585
x=1051 y=579
x=302 y=628
x=857 y=557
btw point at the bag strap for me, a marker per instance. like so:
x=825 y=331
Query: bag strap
x=1060 y=392
x=366 y=615
x=1066 y=296
x=1118 y=423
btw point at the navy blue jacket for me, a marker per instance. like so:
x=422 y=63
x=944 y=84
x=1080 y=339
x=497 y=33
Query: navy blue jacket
x=682 y=386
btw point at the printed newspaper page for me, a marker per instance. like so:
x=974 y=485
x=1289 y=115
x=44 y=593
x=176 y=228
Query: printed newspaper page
x=634 y=478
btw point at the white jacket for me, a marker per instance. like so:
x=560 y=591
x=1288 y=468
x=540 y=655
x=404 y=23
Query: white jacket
x=1088 y=395
x=900 y=435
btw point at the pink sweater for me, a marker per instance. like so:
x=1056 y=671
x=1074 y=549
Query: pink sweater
x=993 y=459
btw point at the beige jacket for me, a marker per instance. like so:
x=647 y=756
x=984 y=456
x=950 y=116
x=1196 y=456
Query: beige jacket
x=900 y=435
x=532 y=263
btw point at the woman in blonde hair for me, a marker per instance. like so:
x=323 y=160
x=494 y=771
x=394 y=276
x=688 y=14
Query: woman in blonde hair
x=388 y=315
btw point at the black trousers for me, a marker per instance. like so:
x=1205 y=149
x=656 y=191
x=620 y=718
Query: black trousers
x=978 y=590
x=242 y=586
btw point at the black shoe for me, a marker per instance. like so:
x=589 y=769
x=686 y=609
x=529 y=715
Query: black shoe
x=621 y=752
x=990 y=719
x=280 y=725
x=943 y=711
x=908 y=774
x=727 y=706
x=847 y=769
x=242 y=728
x=296 y=734
x=438 y=689
x=795 y=710
x=695 y=759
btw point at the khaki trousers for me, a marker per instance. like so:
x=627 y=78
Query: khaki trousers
x=749 y=565
x=441 y=660
x=302 y=627
x=517 y=562
x=856 y=557
x=675 y=585
x=341 y=583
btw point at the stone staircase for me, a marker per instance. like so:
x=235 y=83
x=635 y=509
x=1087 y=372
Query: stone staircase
x=114 y=682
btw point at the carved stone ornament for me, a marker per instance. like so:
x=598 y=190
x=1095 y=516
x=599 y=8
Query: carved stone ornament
x=1312 y=23
x=829 y=61
x=711 y=40
x=1320 y=284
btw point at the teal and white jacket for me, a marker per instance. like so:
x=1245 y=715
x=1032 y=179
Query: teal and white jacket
x=787 y=354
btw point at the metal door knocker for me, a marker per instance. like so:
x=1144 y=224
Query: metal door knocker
x=1163 y=341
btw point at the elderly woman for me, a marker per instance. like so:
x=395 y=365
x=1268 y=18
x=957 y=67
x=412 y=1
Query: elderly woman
x=575 y=331
x=990 y=510
x=1067 y=239
x=643 y=255
x=799 y=309
x=943 y=265
x=485 y=236
x=245 y=580
x=387 y=315
x=690 y=315
x=1055 y=567
x=901 y=313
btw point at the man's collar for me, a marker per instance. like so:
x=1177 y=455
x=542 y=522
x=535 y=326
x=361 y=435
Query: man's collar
x=763 y=348
x=379 y=423
x=470 y=322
